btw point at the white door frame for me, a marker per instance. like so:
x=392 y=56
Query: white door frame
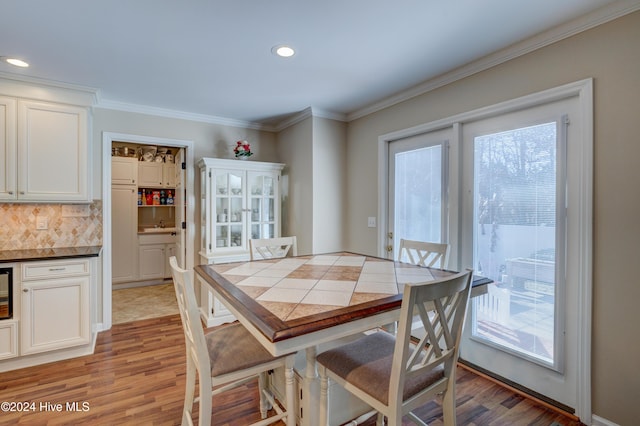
x=107 y=139
x=583 y=90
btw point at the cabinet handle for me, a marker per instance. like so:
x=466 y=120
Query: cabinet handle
x=25 y=290
x=57 y=269
x=10 y=192
x=21 y=192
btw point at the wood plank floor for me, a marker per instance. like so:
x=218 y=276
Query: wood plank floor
x=136 y=376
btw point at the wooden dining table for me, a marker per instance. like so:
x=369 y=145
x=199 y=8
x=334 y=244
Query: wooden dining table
x=298 y=303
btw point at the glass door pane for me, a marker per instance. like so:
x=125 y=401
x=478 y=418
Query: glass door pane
x=263 y=205
x=515 y=240
x=418 y=169
x=228 y=209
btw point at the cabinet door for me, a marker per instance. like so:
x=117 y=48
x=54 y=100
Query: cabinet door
x=55 y=314
x=124 y=171
x=152 y=261
x=124 y=237
x=52 y=152
x=264 y=217
x=230 y=205
x=8 y=339
x=150 y=174
x=170 y=250
x=8 y=149
x=169 y=175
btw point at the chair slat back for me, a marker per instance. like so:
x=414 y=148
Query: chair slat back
x=424 y=253
x=273 y=248
x=190 y=315
x=441 y=307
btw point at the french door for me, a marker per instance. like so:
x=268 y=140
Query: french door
x=515 y=204
x=418 y=196
x=517 y=217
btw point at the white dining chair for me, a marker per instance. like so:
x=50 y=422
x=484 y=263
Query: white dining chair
x=273 y=248
x=424 y=253
x=394 y=374
x=225 y=358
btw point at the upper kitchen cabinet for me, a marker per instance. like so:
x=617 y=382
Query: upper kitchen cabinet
x=44 y=146
x=8 y=148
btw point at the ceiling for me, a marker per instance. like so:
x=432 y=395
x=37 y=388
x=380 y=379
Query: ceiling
x=213 y=58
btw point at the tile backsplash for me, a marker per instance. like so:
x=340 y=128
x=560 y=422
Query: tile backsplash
x=18 y=226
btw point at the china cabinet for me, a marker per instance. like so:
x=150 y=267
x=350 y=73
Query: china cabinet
x=239 y=200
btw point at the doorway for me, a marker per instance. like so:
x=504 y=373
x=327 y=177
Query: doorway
x=418 y=170
x=185 y=233
x=556 y=206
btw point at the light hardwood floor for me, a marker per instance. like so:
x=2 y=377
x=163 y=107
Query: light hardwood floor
x=136 y=377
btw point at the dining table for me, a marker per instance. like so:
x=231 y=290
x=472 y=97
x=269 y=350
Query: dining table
x=299 y=303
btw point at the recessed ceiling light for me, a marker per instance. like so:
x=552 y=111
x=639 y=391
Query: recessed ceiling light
x=16 y=62
x=283 y=51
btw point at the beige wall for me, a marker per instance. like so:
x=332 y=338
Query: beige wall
x=329 y=192
x=611 y=56
x=295 y=149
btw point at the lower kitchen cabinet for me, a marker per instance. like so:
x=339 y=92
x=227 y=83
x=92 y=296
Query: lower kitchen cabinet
x=154 y=252
x=55 y=305
x=8 y=339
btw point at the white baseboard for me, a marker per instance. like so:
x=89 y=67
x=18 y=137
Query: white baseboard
x=599 y=421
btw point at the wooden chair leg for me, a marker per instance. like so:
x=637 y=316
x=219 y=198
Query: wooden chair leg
x=290 y=390
x=449 y=405
x=264 y=402
x=324 y=396
x=206 y=402
x=189 y=393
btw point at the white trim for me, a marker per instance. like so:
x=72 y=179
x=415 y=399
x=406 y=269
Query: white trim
x=601 y=16
x=107 y=139
x=584 y=91
x=599 y=421
x=181 y=115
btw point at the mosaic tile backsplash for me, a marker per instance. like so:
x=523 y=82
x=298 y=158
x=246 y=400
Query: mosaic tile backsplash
x=18 y=226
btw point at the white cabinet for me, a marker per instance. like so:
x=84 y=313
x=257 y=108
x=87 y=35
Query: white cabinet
x=124 y=171
x=240 y=200
x=8 y=149
x=55 y=308
x=156 y=175
x=8 y=339
x=169 y=175
x=124 y=217
x=154 y=252
x=45 y=156
x=152 y=261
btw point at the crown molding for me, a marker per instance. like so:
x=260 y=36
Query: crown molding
x=591 y=20
x=306 y=113
x=182 y=115
x=39 y=88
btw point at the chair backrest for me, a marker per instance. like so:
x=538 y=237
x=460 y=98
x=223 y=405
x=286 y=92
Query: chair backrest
x=441 y=307
x=423 y=253
x=190 y=314
x=273 y=248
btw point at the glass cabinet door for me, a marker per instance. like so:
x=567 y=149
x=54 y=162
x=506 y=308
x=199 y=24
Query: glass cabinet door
x=229 y=209
x=263 y=205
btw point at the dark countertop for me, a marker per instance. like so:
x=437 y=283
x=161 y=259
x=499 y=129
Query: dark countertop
x=49 y=253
